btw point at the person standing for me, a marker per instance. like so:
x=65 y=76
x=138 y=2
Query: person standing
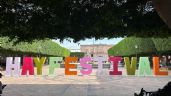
x=1 y=85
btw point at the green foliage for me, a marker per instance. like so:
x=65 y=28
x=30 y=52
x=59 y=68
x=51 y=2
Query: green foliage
x=133 y=46
x=145 y=46
x=37 y=47
x=163 y=45
x=77 y=54
x=66 y=52
x=79 y=19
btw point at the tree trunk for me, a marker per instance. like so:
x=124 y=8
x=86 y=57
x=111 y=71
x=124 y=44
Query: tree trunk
x=163 y=8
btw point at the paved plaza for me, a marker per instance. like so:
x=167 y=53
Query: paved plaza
x=61 y=85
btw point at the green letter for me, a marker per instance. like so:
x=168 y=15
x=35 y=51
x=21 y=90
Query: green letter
x=131 y=68
x=144 y=67
x=39 y=64
x=54 y=63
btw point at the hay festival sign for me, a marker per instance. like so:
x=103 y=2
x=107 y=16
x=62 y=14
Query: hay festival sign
x=13 y=65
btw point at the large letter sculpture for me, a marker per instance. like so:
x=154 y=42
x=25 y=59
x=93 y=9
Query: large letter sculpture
x=144 y=67
x=39 y=62
x=130 y=66
x=54 y=62
x=68 y=65
x=83 y=63
x=156 y=68
x=27 y=66
x=115 y=61
x=10 y=65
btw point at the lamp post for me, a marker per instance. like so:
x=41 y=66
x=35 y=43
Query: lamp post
x=136 y=47
x=117 y=53
x=0 y=46
x=39 y=49
x=93 y=47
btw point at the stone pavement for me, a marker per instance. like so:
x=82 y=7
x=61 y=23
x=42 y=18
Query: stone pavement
x=81 y=85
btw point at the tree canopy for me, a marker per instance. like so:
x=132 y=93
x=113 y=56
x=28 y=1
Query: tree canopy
x=132 y=46
x=36 y=48
x=77 y=54
x=163 y=45
x=141 y=46
x=79 y=19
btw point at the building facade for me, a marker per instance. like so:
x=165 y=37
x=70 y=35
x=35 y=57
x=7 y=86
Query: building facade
x=95 y=50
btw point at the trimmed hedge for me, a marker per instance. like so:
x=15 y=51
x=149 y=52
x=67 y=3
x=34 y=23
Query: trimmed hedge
x=127 y=47
x=163 y=45
x=146 y=46
x=77 y=54
x=37 y=47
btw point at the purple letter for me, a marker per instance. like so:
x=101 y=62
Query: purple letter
x=100 y=65
x=10 y=65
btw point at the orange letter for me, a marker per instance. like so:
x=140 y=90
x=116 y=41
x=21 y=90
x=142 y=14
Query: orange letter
x=68 y=60
x=156 y=68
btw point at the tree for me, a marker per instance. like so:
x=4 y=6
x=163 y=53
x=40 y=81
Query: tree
x=36 y=48
x=79 y=19
x=141 y=46
x=77 y=54
x=133 y=46
x=163 y=45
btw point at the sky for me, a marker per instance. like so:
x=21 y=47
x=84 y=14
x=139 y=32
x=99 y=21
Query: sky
x=76 y=46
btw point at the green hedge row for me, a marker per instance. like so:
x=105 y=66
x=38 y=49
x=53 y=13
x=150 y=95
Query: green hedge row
x=37 y=47
x=77 y=54
x=142 y=46
x=163 y=45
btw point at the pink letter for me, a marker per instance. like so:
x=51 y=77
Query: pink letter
x=83 y=63
x=27 y=66
x=115 y=61
x=10 y=65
